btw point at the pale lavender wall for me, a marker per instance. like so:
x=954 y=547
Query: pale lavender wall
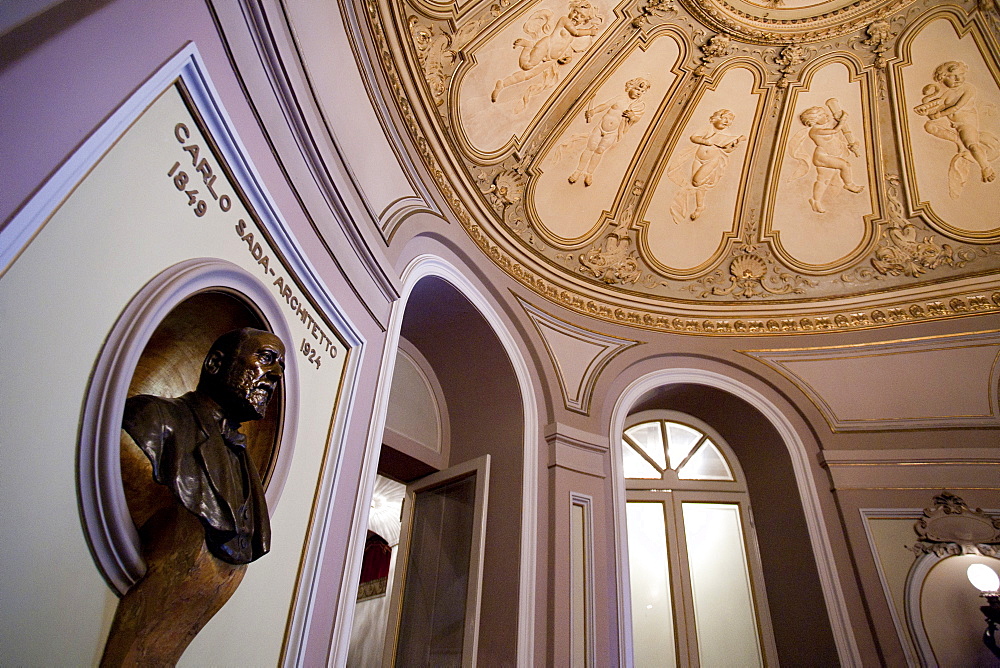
x=64 y=73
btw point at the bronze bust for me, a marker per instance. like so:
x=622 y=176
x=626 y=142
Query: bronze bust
x=198 y=543
x=197 y=451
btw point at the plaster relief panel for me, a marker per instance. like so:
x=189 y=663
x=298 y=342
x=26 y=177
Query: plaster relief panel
x=823 y=199
x=949 y=105
x=582 y=171
x=516 y=71
x=567 y=139
x=696 y=200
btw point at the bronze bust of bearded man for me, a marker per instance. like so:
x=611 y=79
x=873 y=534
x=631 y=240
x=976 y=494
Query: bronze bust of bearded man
x=197 y=451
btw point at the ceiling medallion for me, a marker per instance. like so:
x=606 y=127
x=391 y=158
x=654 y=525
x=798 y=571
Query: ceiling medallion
x=785 y=21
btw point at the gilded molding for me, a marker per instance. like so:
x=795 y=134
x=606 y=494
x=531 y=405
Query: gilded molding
x=577 y=393
x=765 y=28
x=907 y=289
x=752 y=273
x=716 y=46
x=654 y=9
x=614 y=261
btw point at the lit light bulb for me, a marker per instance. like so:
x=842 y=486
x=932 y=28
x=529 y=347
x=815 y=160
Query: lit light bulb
x=983 y=578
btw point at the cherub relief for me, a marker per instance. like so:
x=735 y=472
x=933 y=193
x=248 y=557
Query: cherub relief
x=617 y=116
x=710 y=157
x=551 y=45
x=833 y=141
x=952 y=115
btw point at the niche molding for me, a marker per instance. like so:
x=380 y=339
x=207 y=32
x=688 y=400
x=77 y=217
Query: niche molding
x=108 y=525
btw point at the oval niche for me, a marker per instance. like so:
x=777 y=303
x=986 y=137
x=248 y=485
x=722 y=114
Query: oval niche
x=157 y=347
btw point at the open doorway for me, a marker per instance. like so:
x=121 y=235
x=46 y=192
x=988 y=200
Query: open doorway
x=455 y=400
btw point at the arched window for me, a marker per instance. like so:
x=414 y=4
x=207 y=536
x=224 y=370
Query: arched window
x=696 y=584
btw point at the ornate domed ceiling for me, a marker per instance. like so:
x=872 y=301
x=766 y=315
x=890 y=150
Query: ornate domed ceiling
x=716 y=166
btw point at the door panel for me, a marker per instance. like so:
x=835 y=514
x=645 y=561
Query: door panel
x=434 y=613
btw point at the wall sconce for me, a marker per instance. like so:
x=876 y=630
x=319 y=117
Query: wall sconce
x=987 y=582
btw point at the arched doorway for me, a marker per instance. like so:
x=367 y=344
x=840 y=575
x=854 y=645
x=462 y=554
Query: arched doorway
x=794 y=550
x=484 y=409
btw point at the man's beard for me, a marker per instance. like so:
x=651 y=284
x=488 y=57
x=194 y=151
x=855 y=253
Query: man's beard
x=252 y=394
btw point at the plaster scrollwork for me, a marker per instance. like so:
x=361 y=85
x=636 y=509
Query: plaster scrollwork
x=614 y=261
x=502 y=216
x=505 y=190
x=716 y=46
x=435 y=55
x=756 y=23
x=437 y=49
x=951 y=527
x=654 y=9
x=990 y=10
x=879 y=35
x=787 y=59
x=902 y=253
x=751 y=273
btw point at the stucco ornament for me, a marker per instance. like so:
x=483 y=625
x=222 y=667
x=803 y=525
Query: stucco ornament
x=435 y=55
x=833 y=144
x=551 y=44
x=949 y=104
x=505 y=190
x=613 y=261
x=536 y=204
x=654 y=8
x=716 y=46
x=750 y=275
x=879 y=35
x=789 y=57
x=902 y=252
x=950 y=527
x=699 y=171
x=614 y=118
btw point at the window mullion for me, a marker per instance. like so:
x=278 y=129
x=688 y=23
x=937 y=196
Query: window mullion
x=642 y=453
x=684 y=619
x=690 y=454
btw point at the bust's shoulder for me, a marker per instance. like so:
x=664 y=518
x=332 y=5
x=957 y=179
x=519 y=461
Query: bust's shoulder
x=148 y=403
x=146 y=413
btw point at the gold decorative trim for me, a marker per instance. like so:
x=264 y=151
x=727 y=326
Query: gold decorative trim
x=663 y=162
x=779 y=359
x=606 y=348
x=765 y=29
x=972 y=296
x=963 y=24
x=857 y=74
